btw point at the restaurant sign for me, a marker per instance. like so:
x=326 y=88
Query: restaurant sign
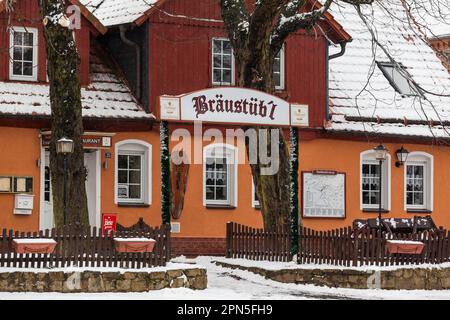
x=233 y=105
x=89 y=141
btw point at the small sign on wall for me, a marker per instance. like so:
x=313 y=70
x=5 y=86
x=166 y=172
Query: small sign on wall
x=299 y=115
x=109 y=223
x=16 y=184
x=6 y=184
x=323 y=194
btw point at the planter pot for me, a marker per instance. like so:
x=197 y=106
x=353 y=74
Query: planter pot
x=39 y=246
x=134 y=245
x=405 y=247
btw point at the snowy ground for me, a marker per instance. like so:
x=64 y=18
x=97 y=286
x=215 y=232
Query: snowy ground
x=226 y=284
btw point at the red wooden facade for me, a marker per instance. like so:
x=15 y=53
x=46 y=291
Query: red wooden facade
x=180 y=56
x=26 y=14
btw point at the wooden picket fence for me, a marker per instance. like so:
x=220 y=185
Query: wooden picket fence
x=342 y=247
x=348 y=247
x=258 y=244
x=85 y=247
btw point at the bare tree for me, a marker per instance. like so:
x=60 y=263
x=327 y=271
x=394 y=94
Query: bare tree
x=65 y=101
x=257 y=35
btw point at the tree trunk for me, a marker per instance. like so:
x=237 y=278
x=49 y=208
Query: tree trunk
x=65 y=100
x=255 y=71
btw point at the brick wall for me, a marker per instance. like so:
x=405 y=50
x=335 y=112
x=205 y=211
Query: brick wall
x=198 y=246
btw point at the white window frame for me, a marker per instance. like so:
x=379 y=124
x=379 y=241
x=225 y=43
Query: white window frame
x=232 y=174
x=282 y=70
x=427 y=160
x=34 y=76
x=368 y=157
x=130 y=147
x=212 y=64
x=255 y=203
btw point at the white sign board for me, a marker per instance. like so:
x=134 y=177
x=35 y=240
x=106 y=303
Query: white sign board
x=233 y=105
x=323 y=195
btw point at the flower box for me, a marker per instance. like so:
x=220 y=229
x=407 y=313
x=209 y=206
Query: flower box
x=39 y=246
x=405 y=247
x=134 y=245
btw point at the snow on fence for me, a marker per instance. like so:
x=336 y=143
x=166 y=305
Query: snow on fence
x=85 y=247
x=258 y=244
x=343 y=247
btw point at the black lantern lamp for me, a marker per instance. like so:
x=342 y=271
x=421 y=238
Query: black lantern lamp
x=380 y=155
x=402 y=156
x=65 y=146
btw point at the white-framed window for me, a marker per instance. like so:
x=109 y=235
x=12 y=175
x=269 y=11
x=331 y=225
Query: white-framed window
x=255 y=200
x=23 y=53
x=419 y=181
x=399 y=78
x=279 y=70
x=370 y=181
x=220 y=175
x=133 y=172
x=222 y=62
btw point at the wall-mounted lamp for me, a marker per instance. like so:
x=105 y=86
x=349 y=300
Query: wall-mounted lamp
x=402 y=156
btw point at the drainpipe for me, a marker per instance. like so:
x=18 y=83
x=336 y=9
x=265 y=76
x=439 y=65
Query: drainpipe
x=333 y=56
x=137 y=48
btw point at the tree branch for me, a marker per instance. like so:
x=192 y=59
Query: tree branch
x=236 y=19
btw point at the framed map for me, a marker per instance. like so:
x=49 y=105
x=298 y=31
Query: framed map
x=323 y=194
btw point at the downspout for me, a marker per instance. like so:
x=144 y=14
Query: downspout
x=137 y=48
x=333 y=56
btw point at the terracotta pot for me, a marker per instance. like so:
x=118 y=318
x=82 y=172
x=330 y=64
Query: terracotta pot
x=44 y=247
x=134 y=246
x=405 y=248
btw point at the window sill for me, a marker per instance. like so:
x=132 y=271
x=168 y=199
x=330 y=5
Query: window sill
x=370 y=210
x=418 y=211
x=133 y=205
x=220 y=206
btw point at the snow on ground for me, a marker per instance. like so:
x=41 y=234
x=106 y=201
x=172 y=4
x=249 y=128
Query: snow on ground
x=227 y=284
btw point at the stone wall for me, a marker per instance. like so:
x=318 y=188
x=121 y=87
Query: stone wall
x=419 y=278
x=97 y=281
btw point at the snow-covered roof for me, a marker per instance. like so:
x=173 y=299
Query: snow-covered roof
x=107 y=96
x=116 y=12
x=373 y=106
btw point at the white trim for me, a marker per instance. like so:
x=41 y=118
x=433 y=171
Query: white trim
x=98 y=186
x=233 y=198
x=146 y=171
x=426 y=159
x=282 y=69
x=42 y=185
x=233 y=69
x=35 y=68
x=368 y=156
x=255 y=203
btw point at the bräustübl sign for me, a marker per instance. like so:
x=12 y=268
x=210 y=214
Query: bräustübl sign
x=233 y=105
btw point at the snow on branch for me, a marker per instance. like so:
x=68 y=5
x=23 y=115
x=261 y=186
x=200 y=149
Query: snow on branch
x=236 y=18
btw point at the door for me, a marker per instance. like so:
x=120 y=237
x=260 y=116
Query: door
x=46 y=221
x=92 y=164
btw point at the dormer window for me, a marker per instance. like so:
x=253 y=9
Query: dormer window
x=23 y=54
x=399 y=78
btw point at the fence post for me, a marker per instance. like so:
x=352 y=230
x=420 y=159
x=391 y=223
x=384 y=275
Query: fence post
x=229 y=239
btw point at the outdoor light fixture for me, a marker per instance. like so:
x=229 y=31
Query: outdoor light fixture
x=402 y=156
x=64 y=146
x=380 y=155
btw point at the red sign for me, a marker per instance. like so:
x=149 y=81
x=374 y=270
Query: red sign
x=108 y=223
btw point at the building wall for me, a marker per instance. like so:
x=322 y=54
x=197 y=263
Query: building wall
x=344 y=156
x=20 y=152
x=26 y=14
x=180 y=58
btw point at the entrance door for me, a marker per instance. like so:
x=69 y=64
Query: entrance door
x=92 y=164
